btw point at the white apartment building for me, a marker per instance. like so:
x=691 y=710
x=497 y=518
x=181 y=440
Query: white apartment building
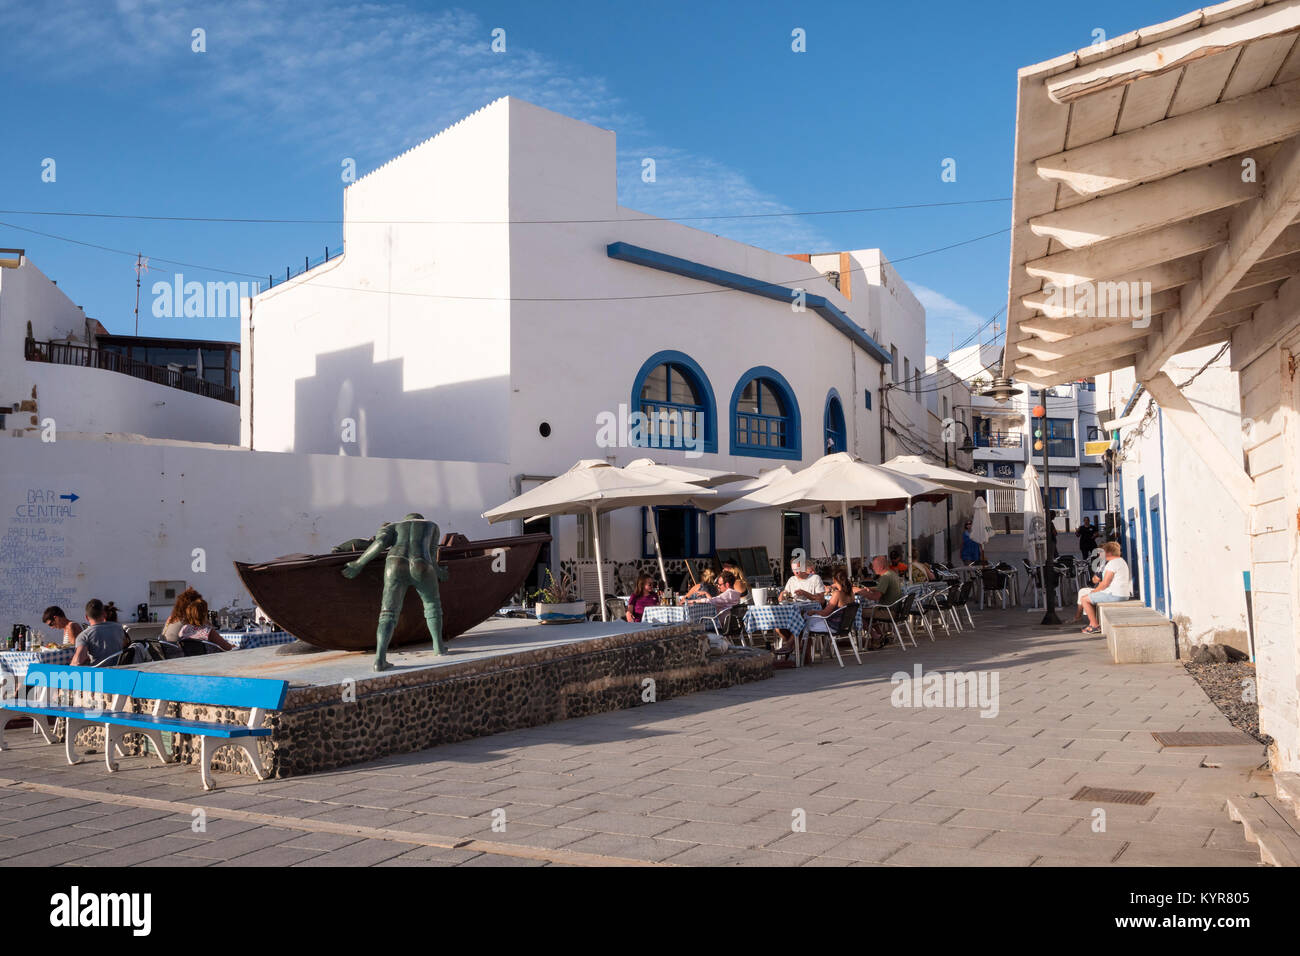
x=495 y=304
x=1005 y=437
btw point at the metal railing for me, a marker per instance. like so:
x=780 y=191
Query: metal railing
x=58 y=353
x=307 y=265
x=996 y=439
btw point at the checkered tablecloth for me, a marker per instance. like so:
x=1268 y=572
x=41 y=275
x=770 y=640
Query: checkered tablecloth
x=245 y=640
x=17 y=662
x=694 y=612
x=771 y=616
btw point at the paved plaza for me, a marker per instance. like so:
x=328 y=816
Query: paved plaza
x=813 y=767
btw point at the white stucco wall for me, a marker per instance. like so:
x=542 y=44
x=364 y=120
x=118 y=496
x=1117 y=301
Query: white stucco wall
x=1204 y=530
x=88 y=399
x=406 y=333
x=143 y=508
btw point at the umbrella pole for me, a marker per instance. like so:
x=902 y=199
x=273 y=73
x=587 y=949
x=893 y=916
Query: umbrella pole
x=848 y=549
x=600 y=567
x=909 y=538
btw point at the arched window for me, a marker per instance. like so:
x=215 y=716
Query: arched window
x=674 y=396
x=833 y=424
x=764 y=416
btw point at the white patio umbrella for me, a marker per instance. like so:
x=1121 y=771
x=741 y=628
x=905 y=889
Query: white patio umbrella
x=981 y=529
x=953 y=479
x=1035 y=520
x=840 y=479
x=590 y=487
x=703 y=477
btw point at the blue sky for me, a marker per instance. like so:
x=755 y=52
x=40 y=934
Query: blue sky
x=738 y=124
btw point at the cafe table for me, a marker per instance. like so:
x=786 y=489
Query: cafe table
x=17 y=662
x=245 y=640
x=693 y=612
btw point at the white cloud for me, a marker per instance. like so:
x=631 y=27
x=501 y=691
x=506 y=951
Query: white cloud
x=365 y=80
x=938 y=307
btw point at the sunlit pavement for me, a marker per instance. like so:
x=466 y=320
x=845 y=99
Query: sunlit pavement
x=814 y=767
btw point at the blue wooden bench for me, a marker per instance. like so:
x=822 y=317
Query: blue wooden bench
x=257 y=694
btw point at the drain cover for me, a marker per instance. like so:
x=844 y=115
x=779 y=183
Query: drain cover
x=1106 y=795
x=1198 y=738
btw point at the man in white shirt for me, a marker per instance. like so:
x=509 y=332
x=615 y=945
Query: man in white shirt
x=804 y=585
x=1114 y=584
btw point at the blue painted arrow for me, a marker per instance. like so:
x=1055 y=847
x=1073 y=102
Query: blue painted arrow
x=72 y=497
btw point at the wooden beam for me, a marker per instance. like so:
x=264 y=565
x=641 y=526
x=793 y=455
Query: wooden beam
x=1203 y=439
x=1029 y=373
x=1174 y=52
x=1271 y=321
x=1148 y=206
x=1081 y=361
x=1058 y=305
x=1266 y=273
x=1178 y=143
x=1048 y=351
x=1284 y=245
x=1252 y=229
x=1246 y=298
x=1109 y=259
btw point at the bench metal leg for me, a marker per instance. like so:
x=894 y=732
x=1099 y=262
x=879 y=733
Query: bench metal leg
x=254 y=756
x=207 y=750
x=70 y=737
x=112 y=743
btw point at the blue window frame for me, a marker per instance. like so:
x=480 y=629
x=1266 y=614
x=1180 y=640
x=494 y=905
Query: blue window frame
x=866 y=397
x=670 y=386
x=833 y=424
x=1060 y=438
x=1094 y=499
x=764 y=416
x=1057 y=500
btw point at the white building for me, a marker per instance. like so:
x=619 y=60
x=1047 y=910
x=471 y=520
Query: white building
x=494 y=303
x=1005 y=436
x=1167 y=161
x=77 y=383
x=1177 y=526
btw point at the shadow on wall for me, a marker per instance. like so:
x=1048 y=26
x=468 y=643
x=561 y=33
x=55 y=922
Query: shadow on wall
x=357 y=407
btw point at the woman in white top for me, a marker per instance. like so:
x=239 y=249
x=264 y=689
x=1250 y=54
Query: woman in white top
x=1114 y=584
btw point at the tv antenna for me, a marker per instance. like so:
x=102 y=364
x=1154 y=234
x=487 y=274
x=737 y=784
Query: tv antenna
x=141 y=265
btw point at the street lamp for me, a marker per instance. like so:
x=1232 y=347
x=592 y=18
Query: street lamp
x=967 y=447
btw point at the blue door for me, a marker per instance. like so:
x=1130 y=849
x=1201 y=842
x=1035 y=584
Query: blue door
x=1146 y=542
x=1157 y=555
x=1131 y=548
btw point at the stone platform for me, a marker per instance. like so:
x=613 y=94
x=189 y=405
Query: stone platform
x=502 y=675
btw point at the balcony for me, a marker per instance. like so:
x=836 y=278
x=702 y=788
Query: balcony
x=997 y=439
x=57 y=353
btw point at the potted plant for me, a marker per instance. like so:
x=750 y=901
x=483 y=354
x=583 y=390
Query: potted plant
x=555 y=603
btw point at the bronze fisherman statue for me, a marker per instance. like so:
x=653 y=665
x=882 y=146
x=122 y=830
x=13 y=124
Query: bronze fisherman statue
x=410 y=563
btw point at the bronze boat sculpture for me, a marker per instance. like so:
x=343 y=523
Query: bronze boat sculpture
x=306 y=594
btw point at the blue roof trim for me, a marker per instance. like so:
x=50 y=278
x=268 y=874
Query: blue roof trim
x=734 y=280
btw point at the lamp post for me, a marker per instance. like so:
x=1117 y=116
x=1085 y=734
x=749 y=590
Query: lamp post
x=967 y=446
x=1050 y=577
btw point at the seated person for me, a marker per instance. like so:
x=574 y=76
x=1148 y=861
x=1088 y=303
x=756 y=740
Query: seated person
x=643 y=596
x=896 y=560
x=176 y=620
x=102 y=639
x=804 y=584
x=706 y=588
x=1115 y=584
x=198 y=625
x=921 y=572
x=729 y=595
x=889 y=587
x=55 y=618
x=742 y=583
x=840 y=595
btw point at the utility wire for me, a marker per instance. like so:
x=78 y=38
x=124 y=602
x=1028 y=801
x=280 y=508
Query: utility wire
x=496 y=222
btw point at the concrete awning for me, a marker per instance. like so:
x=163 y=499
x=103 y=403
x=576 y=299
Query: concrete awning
x=1162 y=165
